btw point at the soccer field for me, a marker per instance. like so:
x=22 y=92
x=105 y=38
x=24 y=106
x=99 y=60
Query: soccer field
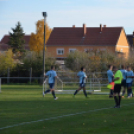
x=25 y=111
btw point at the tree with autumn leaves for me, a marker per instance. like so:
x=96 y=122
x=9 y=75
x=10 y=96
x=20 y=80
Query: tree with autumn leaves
x=37 y=39
x=6 y=61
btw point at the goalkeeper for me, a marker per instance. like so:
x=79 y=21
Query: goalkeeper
x=82 y=76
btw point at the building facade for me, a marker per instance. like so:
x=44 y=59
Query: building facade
x=64 y=40
x=130 y=38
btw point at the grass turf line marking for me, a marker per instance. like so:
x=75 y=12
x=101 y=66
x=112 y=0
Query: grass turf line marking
x=57 y=117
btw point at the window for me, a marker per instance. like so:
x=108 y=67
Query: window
x=72 y=50
x=60 y=51
x=3 y=52
x=98 y=50
x=121 y=50
x=103 y=49
x=87 y=50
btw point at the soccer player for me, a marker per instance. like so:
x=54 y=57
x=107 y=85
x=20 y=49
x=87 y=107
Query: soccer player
x=117 y=87
x=110 y=78
x=51 y=80
x=123 y=84
x=129 y=81
x=82 y=76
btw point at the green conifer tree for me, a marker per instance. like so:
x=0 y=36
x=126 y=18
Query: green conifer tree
x=16 y=39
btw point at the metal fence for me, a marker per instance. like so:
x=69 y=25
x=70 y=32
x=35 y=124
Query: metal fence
x=66 y=81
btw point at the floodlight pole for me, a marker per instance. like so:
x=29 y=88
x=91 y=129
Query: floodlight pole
x=44 y=15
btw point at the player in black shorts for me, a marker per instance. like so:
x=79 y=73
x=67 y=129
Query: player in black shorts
x=117 y=87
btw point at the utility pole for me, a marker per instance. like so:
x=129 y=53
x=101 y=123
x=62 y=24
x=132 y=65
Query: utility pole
x=44 y=15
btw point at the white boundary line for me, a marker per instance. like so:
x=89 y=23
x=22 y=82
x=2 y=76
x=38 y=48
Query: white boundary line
x=57 y=117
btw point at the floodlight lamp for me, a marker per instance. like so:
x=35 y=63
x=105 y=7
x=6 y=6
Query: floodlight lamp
x=44 y=14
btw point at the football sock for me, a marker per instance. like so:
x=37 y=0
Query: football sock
x=75 y=92
x=123 y=93
x=111 y=92
x=119 y=100
x=47 y=91
x=85 y=93
x=53 y=93
x=116 y=100
x=129 y=92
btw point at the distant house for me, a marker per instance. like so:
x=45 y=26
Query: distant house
x=64 y=40
x=4 y=43
x=130 y=38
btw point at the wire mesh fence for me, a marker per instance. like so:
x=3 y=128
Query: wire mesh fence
x=66 y=81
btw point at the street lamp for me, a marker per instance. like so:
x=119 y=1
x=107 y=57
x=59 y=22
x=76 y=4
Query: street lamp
x=44 y=15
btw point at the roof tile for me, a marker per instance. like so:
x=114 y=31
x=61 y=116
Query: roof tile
x=74 y=36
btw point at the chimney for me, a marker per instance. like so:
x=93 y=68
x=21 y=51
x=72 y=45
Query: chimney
x=104 y=25
x=84 y=29
x=100 y=28
x=73 y=26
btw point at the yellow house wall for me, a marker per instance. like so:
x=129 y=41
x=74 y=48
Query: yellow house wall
x=53 y=49
x=122 y=44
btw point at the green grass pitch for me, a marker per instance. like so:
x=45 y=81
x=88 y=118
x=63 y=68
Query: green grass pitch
x=24 y=105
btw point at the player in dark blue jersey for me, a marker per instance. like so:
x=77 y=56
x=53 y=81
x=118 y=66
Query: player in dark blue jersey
x=51 y=80
x=82 y=81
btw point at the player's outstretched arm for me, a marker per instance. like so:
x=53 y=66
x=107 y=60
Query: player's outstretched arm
x=46 y=76
x=85 y=77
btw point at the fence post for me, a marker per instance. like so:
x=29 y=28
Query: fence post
x=90 y=84
x=0 y=85
x=8 y=75
x=55 y=84
x=30 y=75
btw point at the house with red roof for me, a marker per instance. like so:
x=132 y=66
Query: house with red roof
x=130 y=38
x=4 y=43
x=64 y=40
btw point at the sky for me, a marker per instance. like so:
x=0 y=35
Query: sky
x=65 y=13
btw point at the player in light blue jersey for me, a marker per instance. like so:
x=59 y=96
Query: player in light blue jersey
x=82 y=80
x=51 y=80
x=110 y=76
x=129 y=81
x=123 y=84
